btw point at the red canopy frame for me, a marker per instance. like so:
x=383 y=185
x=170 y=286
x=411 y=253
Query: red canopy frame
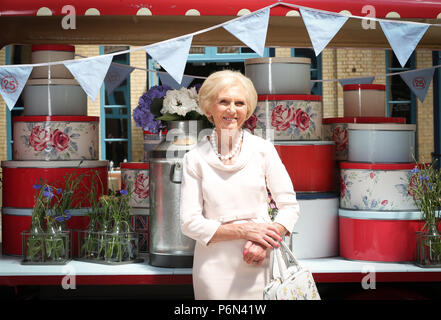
x=135 y=22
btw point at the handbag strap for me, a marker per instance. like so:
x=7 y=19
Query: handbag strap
x=276 y=254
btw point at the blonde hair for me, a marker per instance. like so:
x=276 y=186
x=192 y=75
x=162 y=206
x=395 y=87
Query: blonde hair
x=220 y=80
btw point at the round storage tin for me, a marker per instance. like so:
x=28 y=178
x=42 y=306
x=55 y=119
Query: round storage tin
x=378 y=187
x=378 y=235
x=279 y=75
x=55 y=97
x=290 y=117
x=51 y=53
x=17 y=220
x=309 y=238
x=336 y=129
x=135 y=177
x=310 y=164
x=20 y=176
x=55 y=138
x=364 y=100
x=381 y=143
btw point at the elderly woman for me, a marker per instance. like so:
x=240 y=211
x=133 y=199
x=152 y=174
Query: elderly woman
x=224 y=198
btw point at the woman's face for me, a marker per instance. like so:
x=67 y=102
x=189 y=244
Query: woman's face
x=230 y=108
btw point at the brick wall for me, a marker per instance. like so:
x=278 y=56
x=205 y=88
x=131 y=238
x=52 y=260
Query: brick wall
x=138 y=85
x=425 y=112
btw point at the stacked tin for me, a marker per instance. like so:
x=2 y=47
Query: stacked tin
x=53 y=139
x=135 y=176
x=377 y=216
x=289 y=115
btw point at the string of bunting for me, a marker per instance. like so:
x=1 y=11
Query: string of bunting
x=250 y=29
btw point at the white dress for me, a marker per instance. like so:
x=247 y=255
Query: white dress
x=213 y=193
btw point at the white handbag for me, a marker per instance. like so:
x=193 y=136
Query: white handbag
x=290 y=281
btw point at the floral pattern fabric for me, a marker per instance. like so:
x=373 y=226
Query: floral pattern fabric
x=337 y=132
x=380 y=190
x=56 y=141
x=290 y=119
x=138 y=182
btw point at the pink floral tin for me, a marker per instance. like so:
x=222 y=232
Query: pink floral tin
x=135 y=177
x=379 y=187
x=55 y=138
x=290 y=117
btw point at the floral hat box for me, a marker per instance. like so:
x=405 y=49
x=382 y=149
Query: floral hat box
x=135 y=176
x=291 y=117
x=55 y=138
x=378 y=187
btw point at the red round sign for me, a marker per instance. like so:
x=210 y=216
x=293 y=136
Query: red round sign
x=9 y=84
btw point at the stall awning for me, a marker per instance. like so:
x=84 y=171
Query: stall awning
x=138 y=22
x=423 y=9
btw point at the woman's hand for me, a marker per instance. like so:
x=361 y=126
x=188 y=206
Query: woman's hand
x=254 y=253
x=265 y=234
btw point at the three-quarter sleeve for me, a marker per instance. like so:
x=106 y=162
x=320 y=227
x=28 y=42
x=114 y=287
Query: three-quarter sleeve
x=280 y=185
x=193 y=222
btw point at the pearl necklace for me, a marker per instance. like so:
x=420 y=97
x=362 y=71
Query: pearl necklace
x=213 y=141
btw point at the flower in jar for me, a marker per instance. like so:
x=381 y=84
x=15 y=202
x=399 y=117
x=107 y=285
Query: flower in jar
x=340 y=137
x=142 y=186
x=301 y=120
x=59 y=140
x=39 y=138
x=281 y=117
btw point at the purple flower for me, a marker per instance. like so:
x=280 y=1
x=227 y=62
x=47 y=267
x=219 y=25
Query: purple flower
x=124 y=192
x=36 y=186
x=142 y=114
x=59 y=218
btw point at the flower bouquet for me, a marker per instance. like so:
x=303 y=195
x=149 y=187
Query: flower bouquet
x=48 y=241
x=110 y=238
x=161 y=104
x=425 y=188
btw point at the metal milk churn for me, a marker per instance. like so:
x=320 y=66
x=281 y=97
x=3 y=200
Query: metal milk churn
x=168 y=246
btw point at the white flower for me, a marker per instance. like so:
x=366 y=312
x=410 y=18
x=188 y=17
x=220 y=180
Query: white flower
x=181 y=102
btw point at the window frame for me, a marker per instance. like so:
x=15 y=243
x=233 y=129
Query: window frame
x=104 y=116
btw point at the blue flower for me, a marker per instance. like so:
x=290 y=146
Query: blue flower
x=415 y=170
x=59 y=190
x=68 y=215
x=36 y=186
x=59 y=218
x=124 y=192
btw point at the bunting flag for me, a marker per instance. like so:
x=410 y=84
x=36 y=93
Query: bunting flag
x=166 y=79
x=321 y=27
x=90 y=73
x=251 y=30
x=403 y=37
x=172 y=55
x=116 y=75
x=361 y=80
x=12 y=82
x=419 y=81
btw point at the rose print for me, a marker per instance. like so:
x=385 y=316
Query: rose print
x=301 y=120
x=142 y=186
x=38 y=138
x=342 y=188
x=251 y=123
x=59 y=140
x=281 y=117
x=340 y=137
